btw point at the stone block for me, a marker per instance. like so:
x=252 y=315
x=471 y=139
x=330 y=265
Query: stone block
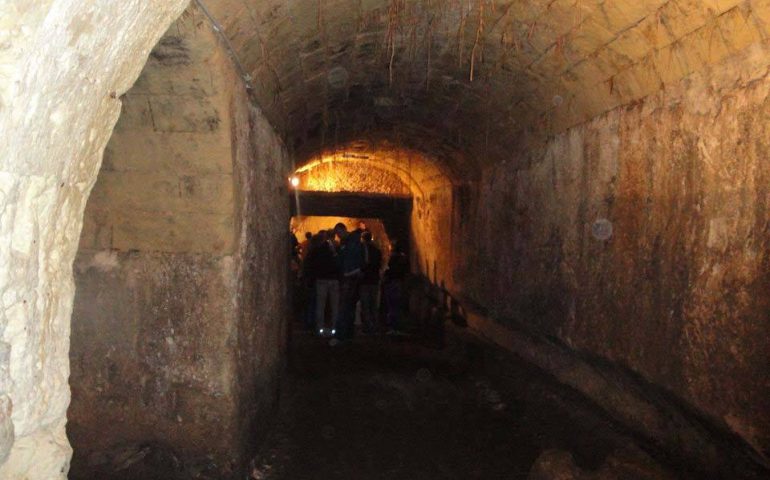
x=186 y=113
x=561 y=16
x=682 y=17
x=708 y=44
x=621 y=14
x=589 y=37
x=135 y=115
x=588 y=73
x=738 y=29
x=152 y=357
x=184 y=79
x=638 y=81
x=718 y=7
x=97 y=230
x=632 y=43
x=675 y=62
x=655 y=31
x=760 y=10
x=164 y=192
x=610 y=62
x=172 y=232
x=169 y=153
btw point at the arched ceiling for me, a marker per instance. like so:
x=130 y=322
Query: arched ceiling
x=382 y=167
x=469 y=76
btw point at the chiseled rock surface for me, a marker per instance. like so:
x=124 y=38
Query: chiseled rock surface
x=61 y=74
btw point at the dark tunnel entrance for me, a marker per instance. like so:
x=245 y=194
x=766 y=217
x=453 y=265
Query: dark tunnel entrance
x=393 y=212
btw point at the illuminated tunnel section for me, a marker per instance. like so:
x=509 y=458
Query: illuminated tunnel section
x=411 y=193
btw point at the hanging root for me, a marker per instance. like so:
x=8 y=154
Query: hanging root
x=476 y=43
x=394 y=12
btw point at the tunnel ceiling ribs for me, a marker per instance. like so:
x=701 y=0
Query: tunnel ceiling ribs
x=469 y=75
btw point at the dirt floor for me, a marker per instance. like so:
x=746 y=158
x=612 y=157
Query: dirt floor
x=388 y=408
x=400 y=408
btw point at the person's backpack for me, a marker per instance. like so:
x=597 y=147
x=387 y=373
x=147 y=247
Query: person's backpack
x=352 y=253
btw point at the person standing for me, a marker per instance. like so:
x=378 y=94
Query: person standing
x=351 y=260
x=370 y=284
x=322 y=270
x=304 y=247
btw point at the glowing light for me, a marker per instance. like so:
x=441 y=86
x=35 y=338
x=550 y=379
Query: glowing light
x=294 y=181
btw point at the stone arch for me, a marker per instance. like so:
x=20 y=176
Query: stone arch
x=418 y=173
x=63 y=77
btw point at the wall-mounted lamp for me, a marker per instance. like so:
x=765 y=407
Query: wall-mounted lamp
x=294 y=181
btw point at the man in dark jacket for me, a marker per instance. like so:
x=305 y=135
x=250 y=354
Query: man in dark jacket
x=370 y=284
x=322 y=270
x=351 y=261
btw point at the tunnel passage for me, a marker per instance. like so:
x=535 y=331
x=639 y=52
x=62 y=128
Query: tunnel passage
x=411 y=191
x=608 y=201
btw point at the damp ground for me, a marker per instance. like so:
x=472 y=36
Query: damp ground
x=391 y=408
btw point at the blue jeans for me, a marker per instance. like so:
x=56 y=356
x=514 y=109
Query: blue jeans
x=326 y=290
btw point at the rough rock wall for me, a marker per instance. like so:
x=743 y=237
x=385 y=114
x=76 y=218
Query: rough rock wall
x=431 y=230
x=677 y=289
x=62 y=74
x=149 y=366
x=178 y=312
x=352 y=176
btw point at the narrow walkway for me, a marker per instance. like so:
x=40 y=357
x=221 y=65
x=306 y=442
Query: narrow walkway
x=385 y=408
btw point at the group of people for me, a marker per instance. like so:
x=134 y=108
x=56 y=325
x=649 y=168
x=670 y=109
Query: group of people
x=339 y=269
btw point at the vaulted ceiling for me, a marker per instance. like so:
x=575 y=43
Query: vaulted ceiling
x=469 y=76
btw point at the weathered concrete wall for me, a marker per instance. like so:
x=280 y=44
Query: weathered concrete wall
x=61 y=78
x=678 y=293
x=261 y=168
x=179 y=311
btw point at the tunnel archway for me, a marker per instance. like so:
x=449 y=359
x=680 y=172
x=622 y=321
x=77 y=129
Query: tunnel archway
x=421 y=186
x=648 y=92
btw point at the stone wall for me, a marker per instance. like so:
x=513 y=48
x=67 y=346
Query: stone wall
x=62 y=75
x=677 y=290
x=261 y=169
x=432 y=234
x=167 y=178
x=352 y=176
x=178 y=320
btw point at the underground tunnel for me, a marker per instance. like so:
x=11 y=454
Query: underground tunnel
x=581 y=187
